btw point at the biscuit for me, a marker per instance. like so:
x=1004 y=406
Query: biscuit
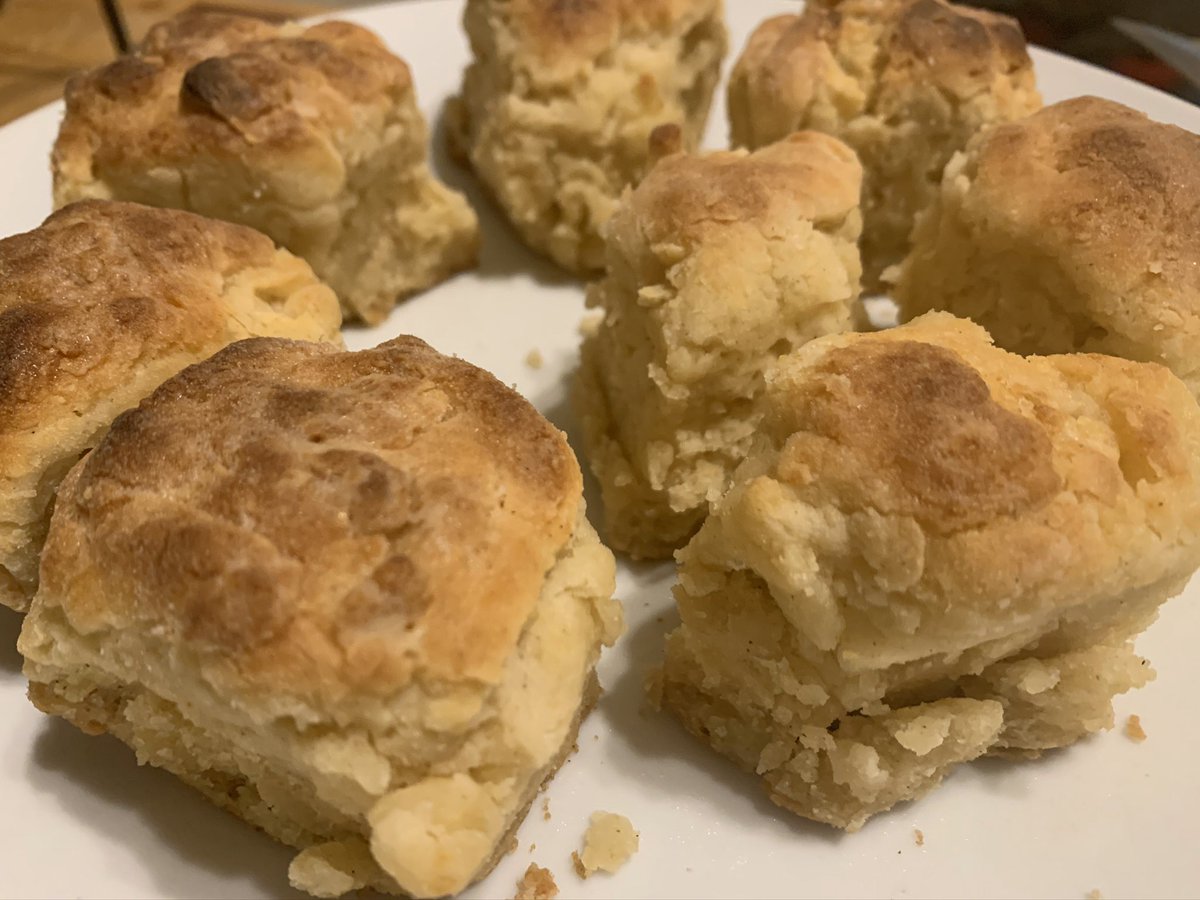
x=1074 y=229
x=359 y=608
x=717 y=265
x=98 y=306
x=939 y=550
x=905 y=83
x=310 y=134
x=559 y=101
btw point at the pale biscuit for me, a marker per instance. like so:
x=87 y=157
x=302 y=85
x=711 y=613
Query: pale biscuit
x=939 y=550
x=717 y=265
x=1073 y=230
x=906 y=83
x=559 y=101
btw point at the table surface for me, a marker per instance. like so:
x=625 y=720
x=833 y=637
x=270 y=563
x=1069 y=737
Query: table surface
x=44 y=42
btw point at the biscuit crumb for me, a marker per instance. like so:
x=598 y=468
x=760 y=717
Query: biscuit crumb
x=536 y=884
x=1134 y=730
x=590 y=324
x=919 y=837
x=609 y=842
x=546 y=808
x=534 y=358
x=1094 y=894
x=533 y=846
x=513 y=844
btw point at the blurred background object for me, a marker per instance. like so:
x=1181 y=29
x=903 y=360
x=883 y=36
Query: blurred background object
x=43 y=42
x=1084 y=29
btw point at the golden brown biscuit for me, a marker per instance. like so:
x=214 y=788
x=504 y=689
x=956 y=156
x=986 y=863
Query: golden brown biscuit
x=905 y=83
x=717 y=265
x=360 y=607
x=100 y=305
x=557 y=106
x=939 y=550
x=1074 y=229
x=310 y=134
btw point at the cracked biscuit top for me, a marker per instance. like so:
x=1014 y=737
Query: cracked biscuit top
x=228 y=86
x=327 y=526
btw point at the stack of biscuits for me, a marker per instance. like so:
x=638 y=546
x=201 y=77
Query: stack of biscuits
x=355 y=598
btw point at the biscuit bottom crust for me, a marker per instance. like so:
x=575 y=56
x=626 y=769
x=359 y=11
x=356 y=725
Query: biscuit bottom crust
x=428 y=832
x=843 y=769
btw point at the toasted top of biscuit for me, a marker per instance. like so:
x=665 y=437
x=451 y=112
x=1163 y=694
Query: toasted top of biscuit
x=807 y=175
x=923 y=485
x=102 y=290
x=1113 y=198
x=327 y=526
x=230 y=86
x=870 y=52
x=565 y=34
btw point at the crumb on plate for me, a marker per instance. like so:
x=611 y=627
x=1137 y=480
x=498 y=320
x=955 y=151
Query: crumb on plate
x=546 y=808
x=919 y=837
x=609 y=842
x=1094 y=894
x=536 y=884
x=1134 y=730
x=534 y=358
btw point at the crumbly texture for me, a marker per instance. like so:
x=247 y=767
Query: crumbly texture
x=918 y=837
x=905 y=83
x=939 y=550
x=560 y=99
x=100 y=305
x=1074 y=230
x=310 y=134
x=608 y=844
x=1134 y=730
x=717 y=265
x=536 y=884
x=350 y=597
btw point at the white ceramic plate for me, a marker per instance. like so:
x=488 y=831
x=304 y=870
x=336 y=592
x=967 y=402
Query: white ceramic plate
x=79 y=818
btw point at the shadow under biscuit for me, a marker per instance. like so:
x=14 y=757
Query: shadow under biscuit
x=502 y=253
x=162 y=825
x=10 y=629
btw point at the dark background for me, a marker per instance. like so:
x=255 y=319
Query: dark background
x=1082 y=28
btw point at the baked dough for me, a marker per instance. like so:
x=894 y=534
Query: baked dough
x=905 y=83
x=717 y=265
x=310 y=134
x=559 y=101
x=100 y=305
x=1075 y=229
x=350 y=597
x=939 y=550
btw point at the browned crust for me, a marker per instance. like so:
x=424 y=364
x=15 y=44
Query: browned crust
x=226 y=84
x=85 y=296
x=788 y=59
x=1111 y=194
x=812 y=175
x=919 y=433
x=316 y=523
